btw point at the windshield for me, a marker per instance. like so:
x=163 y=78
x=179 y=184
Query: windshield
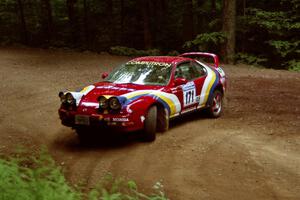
x=142 y=73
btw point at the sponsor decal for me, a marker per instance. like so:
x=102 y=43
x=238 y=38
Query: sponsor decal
x=169 y=101
x=149 y=63
x=189 y=93
x=114 y=88
x=120 y=119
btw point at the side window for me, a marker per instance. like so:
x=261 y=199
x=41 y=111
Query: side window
x=200 y=70
x=184 y=70
x=189 y=71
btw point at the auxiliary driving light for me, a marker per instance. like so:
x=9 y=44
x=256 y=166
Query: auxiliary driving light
x=62 y=97
x=103 y=102
x=70 y=99
x=114 y=103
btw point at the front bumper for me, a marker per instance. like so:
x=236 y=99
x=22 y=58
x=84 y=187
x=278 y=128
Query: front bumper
x=118 y=122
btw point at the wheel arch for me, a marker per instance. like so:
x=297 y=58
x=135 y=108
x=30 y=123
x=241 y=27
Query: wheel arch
x=162 y=116
x=218 y=87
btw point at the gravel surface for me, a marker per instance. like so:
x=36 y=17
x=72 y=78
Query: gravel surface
x=251 y=152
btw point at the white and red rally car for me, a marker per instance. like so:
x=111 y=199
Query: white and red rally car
x=145 y=93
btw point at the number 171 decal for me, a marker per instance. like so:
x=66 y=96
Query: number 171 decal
x=189 y=94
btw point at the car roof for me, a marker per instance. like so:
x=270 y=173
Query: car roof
x=162 y=59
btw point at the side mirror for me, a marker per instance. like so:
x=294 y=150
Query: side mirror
x=104 y=75
x=180 y=81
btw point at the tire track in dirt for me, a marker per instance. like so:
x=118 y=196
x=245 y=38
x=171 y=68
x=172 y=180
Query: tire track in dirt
x=228 y=155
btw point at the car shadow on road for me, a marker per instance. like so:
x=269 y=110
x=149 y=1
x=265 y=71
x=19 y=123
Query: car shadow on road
x=67 y=140
x=186 y=118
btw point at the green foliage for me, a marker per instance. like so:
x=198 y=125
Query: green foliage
x=270 y=33
x=126 y=51
x=294 y=65
x=283 y=48
x=249 y=59
x=268 y=29
x=37 y=177
x=112 y=188
x=206 y=41
x=270 y=21
x=42 y=180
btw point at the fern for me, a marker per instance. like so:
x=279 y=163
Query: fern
x=293 y=65
x=38 y=177
x=249 y=59
x=206 y=40
x=284 y=47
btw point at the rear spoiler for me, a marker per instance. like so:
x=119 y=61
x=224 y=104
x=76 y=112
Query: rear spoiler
x=202 y=54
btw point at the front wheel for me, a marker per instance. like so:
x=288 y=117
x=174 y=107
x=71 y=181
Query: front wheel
x=216 y=105
x=150 y=124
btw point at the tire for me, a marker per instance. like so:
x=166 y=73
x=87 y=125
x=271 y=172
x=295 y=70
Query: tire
x=150 y=124
x=215 y=108
x=162 y=120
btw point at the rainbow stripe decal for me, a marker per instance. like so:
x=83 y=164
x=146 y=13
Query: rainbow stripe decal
x=209 y=84
x=169 y=101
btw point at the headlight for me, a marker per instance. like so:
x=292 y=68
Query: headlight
x=70 y=99
x=103 y=102
x=114 y=103
x=62 y=97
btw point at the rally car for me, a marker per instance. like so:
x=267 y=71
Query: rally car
x=145 y=93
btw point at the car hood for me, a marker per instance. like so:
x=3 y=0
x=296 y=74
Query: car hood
x=111 y=89
x=86 y=99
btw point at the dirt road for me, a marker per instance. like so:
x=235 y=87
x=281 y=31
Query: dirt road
x=252 y=152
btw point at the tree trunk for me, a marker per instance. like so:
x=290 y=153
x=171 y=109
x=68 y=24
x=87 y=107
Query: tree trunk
x=201 y=19
x=160 y=17
x=111 y=28
x=72 y=20
x=86 y=23
x=47 y=21
x=188 y=24
x=213 y=8
x=120 y=19
x=146 y=23
x=243 y=35
x=122 y=13
x=229 y=18
x=23 y=26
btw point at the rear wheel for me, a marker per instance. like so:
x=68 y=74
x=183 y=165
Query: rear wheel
x=216 y=105
x=150 y=124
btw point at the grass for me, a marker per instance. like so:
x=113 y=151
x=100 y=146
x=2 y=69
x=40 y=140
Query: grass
x=38 y=177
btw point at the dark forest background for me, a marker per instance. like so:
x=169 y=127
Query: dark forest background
x=264 y=32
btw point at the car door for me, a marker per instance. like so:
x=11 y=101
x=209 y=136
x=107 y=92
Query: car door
x=189 y=93
x=200 y=74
